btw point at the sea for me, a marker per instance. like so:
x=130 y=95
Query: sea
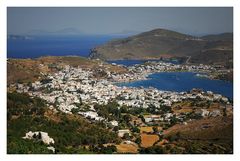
x=81 y=45
x=38 y=46
x=183 y=81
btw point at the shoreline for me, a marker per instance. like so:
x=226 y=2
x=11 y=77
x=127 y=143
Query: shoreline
x=125 y=83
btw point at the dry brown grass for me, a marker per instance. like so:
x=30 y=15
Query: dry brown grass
x=28 y=70
x=127 y=148
x=183 y=110
x=146 y=129
x=164 y=141
x=52 y=116
x=182 y=107
x=148 y=140
x=21 y=70
x=204 y=129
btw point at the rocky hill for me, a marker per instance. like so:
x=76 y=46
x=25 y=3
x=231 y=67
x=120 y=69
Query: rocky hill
x=161 y=43
x=223 y=36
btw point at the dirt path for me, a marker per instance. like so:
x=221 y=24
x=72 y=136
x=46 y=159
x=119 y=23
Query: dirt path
x=187 y=61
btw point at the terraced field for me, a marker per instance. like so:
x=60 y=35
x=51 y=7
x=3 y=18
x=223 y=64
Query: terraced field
x=147 y=140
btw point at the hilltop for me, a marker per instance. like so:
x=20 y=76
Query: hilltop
x=30 y=70
x=161 y=43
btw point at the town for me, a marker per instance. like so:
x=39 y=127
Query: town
x=72 y=86
x=76 y=91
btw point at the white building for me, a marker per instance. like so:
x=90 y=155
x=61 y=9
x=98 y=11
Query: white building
x=122 y=132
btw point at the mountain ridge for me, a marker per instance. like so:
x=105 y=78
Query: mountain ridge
x=162 y=43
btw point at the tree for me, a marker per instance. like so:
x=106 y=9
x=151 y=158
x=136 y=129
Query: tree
x=107 y=150
x=127 y=118
x=142 y=118
x=124 y=109
x=152 y=150
x=165 y=109
x=126 y=136
x=173 y=120
x=116 y=128
x=75 y=110
x=135 y=129
x=138 y=140
x=151 y=109
x=155 y=129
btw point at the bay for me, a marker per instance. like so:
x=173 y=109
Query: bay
x=183 y=81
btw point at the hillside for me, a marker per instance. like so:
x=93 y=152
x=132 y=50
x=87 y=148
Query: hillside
x=223 y=36
x=161 y=43
x=30 y=70
x=70 y=132
x=214 y=133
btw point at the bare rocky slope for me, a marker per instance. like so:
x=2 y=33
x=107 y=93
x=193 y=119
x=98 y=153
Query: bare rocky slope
x=161 y=43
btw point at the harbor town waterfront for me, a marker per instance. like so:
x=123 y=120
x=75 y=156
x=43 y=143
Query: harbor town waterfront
x=102 y=96
x=83 y=80
x=184 y=81
x=72 y=85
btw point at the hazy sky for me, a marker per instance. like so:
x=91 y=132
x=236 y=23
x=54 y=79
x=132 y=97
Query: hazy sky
x=191 y=20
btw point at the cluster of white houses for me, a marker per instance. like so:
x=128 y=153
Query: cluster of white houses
x=141 y=71
x=71 y=86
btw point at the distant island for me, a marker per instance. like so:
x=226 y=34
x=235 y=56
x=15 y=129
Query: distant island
x=19 y=37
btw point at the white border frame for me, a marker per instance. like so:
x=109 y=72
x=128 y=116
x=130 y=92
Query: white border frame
x=121 y=3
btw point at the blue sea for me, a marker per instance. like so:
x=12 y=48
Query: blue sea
x=55 y=45
x=183 y=81
x=81 y=46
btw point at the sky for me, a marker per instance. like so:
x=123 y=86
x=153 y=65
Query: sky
x=192 y=20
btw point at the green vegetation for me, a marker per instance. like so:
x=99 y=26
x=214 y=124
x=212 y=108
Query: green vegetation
x=112 y=111
x=152 y=150
x=20 y=146
x=100 y=149
x=70 y=132
x=75 y=135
